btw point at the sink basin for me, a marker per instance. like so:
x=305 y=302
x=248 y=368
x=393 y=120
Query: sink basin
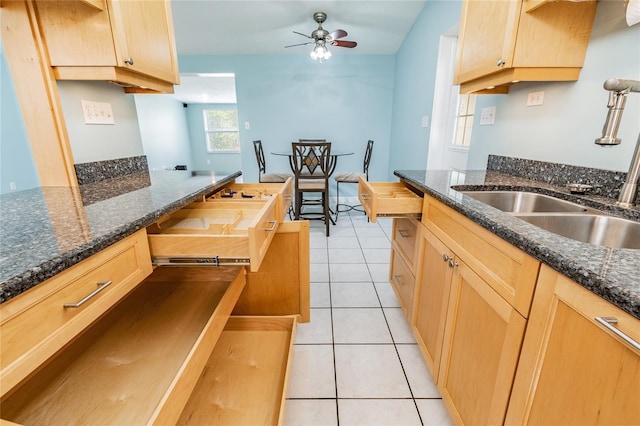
x=524 y=202
x=590 y=228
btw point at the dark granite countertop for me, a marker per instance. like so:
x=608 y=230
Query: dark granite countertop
x=44 y=231
x=613 y=274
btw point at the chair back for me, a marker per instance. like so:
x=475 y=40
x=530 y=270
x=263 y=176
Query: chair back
x=311 y=160
x=257 y=147
x=367 y=158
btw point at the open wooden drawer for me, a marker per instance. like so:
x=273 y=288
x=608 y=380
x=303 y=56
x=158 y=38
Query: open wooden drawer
x=240 y=192
x=168 y=354
x=39 y=322
x=388 y=199
x=224 y=232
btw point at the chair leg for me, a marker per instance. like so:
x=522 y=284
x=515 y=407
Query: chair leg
x=298 y=205
x=337 y=199
x=327 y=217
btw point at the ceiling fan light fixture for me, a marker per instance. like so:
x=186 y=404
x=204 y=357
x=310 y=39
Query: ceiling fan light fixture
x=320 y=52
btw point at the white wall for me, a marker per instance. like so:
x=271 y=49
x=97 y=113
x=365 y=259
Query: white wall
x=563 y=129
x=92 y=142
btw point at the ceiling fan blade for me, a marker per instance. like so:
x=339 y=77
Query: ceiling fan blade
x=344 y=43
x=304 y=35
x=300 y=44
x=337 y=34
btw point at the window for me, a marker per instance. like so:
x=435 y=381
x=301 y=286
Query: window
x=221 y=129
x=464 y=121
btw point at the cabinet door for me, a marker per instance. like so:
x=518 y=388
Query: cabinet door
x=573 y=370
x=402 y=280
x=434 y=283
x=143 y=33
x=487 y=37
x=281 y=285
x=483 y=336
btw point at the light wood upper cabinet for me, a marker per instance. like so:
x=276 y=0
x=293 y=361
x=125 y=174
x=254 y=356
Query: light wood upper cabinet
x=573 y=369
x=501 y=43
x=128 y=42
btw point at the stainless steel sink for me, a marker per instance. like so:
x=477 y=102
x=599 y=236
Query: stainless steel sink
x=595 y=229
x=524 y=202
x=564 y=218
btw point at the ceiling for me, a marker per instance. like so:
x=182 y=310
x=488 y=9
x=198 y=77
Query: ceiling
x=264 y=27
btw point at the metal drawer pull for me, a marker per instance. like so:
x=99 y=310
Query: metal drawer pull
x=273 y=223
x=403 y=233
x=445 y=257
x=607 y=321
x=398 y=279
x=101 y=286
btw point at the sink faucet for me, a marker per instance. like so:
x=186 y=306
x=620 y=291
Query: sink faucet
x=618 y=90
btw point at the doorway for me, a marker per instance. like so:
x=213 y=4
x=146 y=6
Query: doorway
x=452 y=121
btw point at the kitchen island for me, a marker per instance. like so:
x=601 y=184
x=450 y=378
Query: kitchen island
x=95 y=326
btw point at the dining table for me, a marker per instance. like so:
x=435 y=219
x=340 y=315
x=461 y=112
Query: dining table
x=332 y=166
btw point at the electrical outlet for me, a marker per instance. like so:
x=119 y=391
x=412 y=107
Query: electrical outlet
x=97 y=112
x=247 y=125
x=425 y=121
x=12 y=186
x=535 y=98
x=488 y=116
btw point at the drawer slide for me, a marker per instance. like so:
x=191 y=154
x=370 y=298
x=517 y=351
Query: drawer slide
x=200 y=261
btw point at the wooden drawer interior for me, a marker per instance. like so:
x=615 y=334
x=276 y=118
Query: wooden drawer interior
x=405 y=238
x=244 y=381
x=388 y=199
x=240 y=192
x=403 y=282
x=219 y=233
x=36 y=324
x=140 y=362
x=507 y=269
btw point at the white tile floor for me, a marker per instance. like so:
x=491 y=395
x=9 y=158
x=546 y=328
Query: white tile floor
x=356 y=362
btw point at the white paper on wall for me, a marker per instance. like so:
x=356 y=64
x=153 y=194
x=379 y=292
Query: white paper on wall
x=633 y=12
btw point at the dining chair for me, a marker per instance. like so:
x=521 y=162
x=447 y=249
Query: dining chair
x=311 y=164
x=264 y=177
x=352 y=177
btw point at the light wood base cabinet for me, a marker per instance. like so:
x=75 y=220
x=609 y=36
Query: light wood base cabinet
x=432 y=294
x=403 y=258
x=189 y=345
x=481 y=344
x=573 y=369
x=473 y=291
x=468 y=334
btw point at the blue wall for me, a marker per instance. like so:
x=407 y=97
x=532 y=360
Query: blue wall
x=16 y=161
x=416 y=63
x=164 y=131
x=346 y=100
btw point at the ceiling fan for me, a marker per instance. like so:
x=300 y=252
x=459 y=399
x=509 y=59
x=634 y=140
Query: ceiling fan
x=321 y=38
